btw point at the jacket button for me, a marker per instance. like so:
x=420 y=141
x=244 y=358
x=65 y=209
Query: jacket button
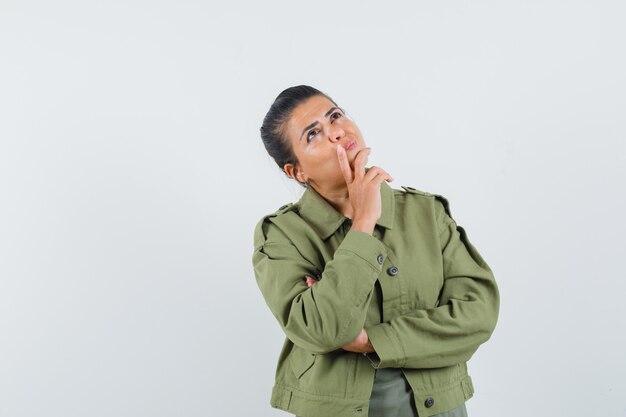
x=393 y=271
x=380 y=259
x=429 y=402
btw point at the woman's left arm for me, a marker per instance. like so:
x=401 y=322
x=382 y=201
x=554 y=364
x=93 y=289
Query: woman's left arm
x=464 y=319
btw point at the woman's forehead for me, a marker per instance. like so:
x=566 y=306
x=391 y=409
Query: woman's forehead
x=311 y=110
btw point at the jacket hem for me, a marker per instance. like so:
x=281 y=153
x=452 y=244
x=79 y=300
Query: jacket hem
x=304 y=404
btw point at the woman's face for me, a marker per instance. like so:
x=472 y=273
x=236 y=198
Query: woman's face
x=315 y=128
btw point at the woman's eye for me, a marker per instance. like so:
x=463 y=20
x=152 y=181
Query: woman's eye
x=336 y=114
x=309 y=137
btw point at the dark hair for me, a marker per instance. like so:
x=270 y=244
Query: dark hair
x=273 y=134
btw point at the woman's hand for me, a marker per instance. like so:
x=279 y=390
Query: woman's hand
x=310 y=280
x=363 y=189
x=362 y=342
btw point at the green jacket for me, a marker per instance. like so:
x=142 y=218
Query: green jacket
x=421 y=290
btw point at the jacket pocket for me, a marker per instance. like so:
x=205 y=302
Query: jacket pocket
x=301 y=361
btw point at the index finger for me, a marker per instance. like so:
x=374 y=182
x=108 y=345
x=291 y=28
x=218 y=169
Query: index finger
x=360 y=161
x=344 y=165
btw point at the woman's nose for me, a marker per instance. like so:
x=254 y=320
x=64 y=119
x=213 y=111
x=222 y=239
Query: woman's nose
x=336 y=133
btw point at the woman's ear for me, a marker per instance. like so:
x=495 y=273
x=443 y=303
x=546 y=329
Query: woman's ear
x=290 y=170
x=294 y=172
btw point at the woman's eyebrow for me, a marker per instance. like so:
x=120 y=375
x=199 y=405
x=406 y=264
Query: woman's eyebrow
x=316 y=122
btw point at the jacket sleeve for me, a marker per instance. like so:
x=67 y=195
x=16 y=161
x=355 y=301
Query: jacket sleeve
x=464 y=318
x=332 y=312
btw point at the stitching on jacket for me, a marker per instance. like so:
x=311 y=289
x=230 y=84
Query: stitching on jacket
x=374 y=267
x=314 y=393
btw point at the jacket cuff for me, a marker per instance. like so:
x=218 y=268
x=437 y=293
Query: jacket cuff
x=366 y=247
x=389 y=352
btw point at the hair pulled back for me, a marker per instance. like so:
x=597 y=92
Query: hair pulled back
x=273 y=134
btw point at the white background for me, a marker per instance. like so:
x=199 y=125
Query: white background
x=132 y=174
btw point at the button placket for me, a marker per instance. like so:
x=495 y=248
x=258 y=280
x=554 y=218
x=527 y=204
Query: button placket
x=396 y=285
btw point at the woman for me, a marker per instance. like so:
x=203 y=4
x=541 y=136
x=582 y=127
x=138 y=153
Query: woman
x=381 y=295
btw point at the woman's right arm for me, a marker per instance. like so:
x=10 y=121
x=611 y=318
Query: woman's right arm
x=331 y=314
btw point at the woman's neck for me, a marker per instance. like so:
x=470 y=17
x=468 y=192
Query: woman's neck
x=338 y=198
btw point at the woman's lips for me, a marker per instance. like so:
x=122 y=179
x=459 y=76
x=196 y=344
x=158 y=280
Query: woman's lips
x=350 y=145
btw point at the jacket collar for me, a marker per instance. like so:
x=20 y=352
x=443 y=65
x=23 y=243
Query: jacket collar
x=325 y=219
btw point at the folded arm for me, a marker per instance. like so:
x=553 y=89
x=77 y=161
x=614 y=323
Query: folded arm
x=464 y=319
x=330 y=314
